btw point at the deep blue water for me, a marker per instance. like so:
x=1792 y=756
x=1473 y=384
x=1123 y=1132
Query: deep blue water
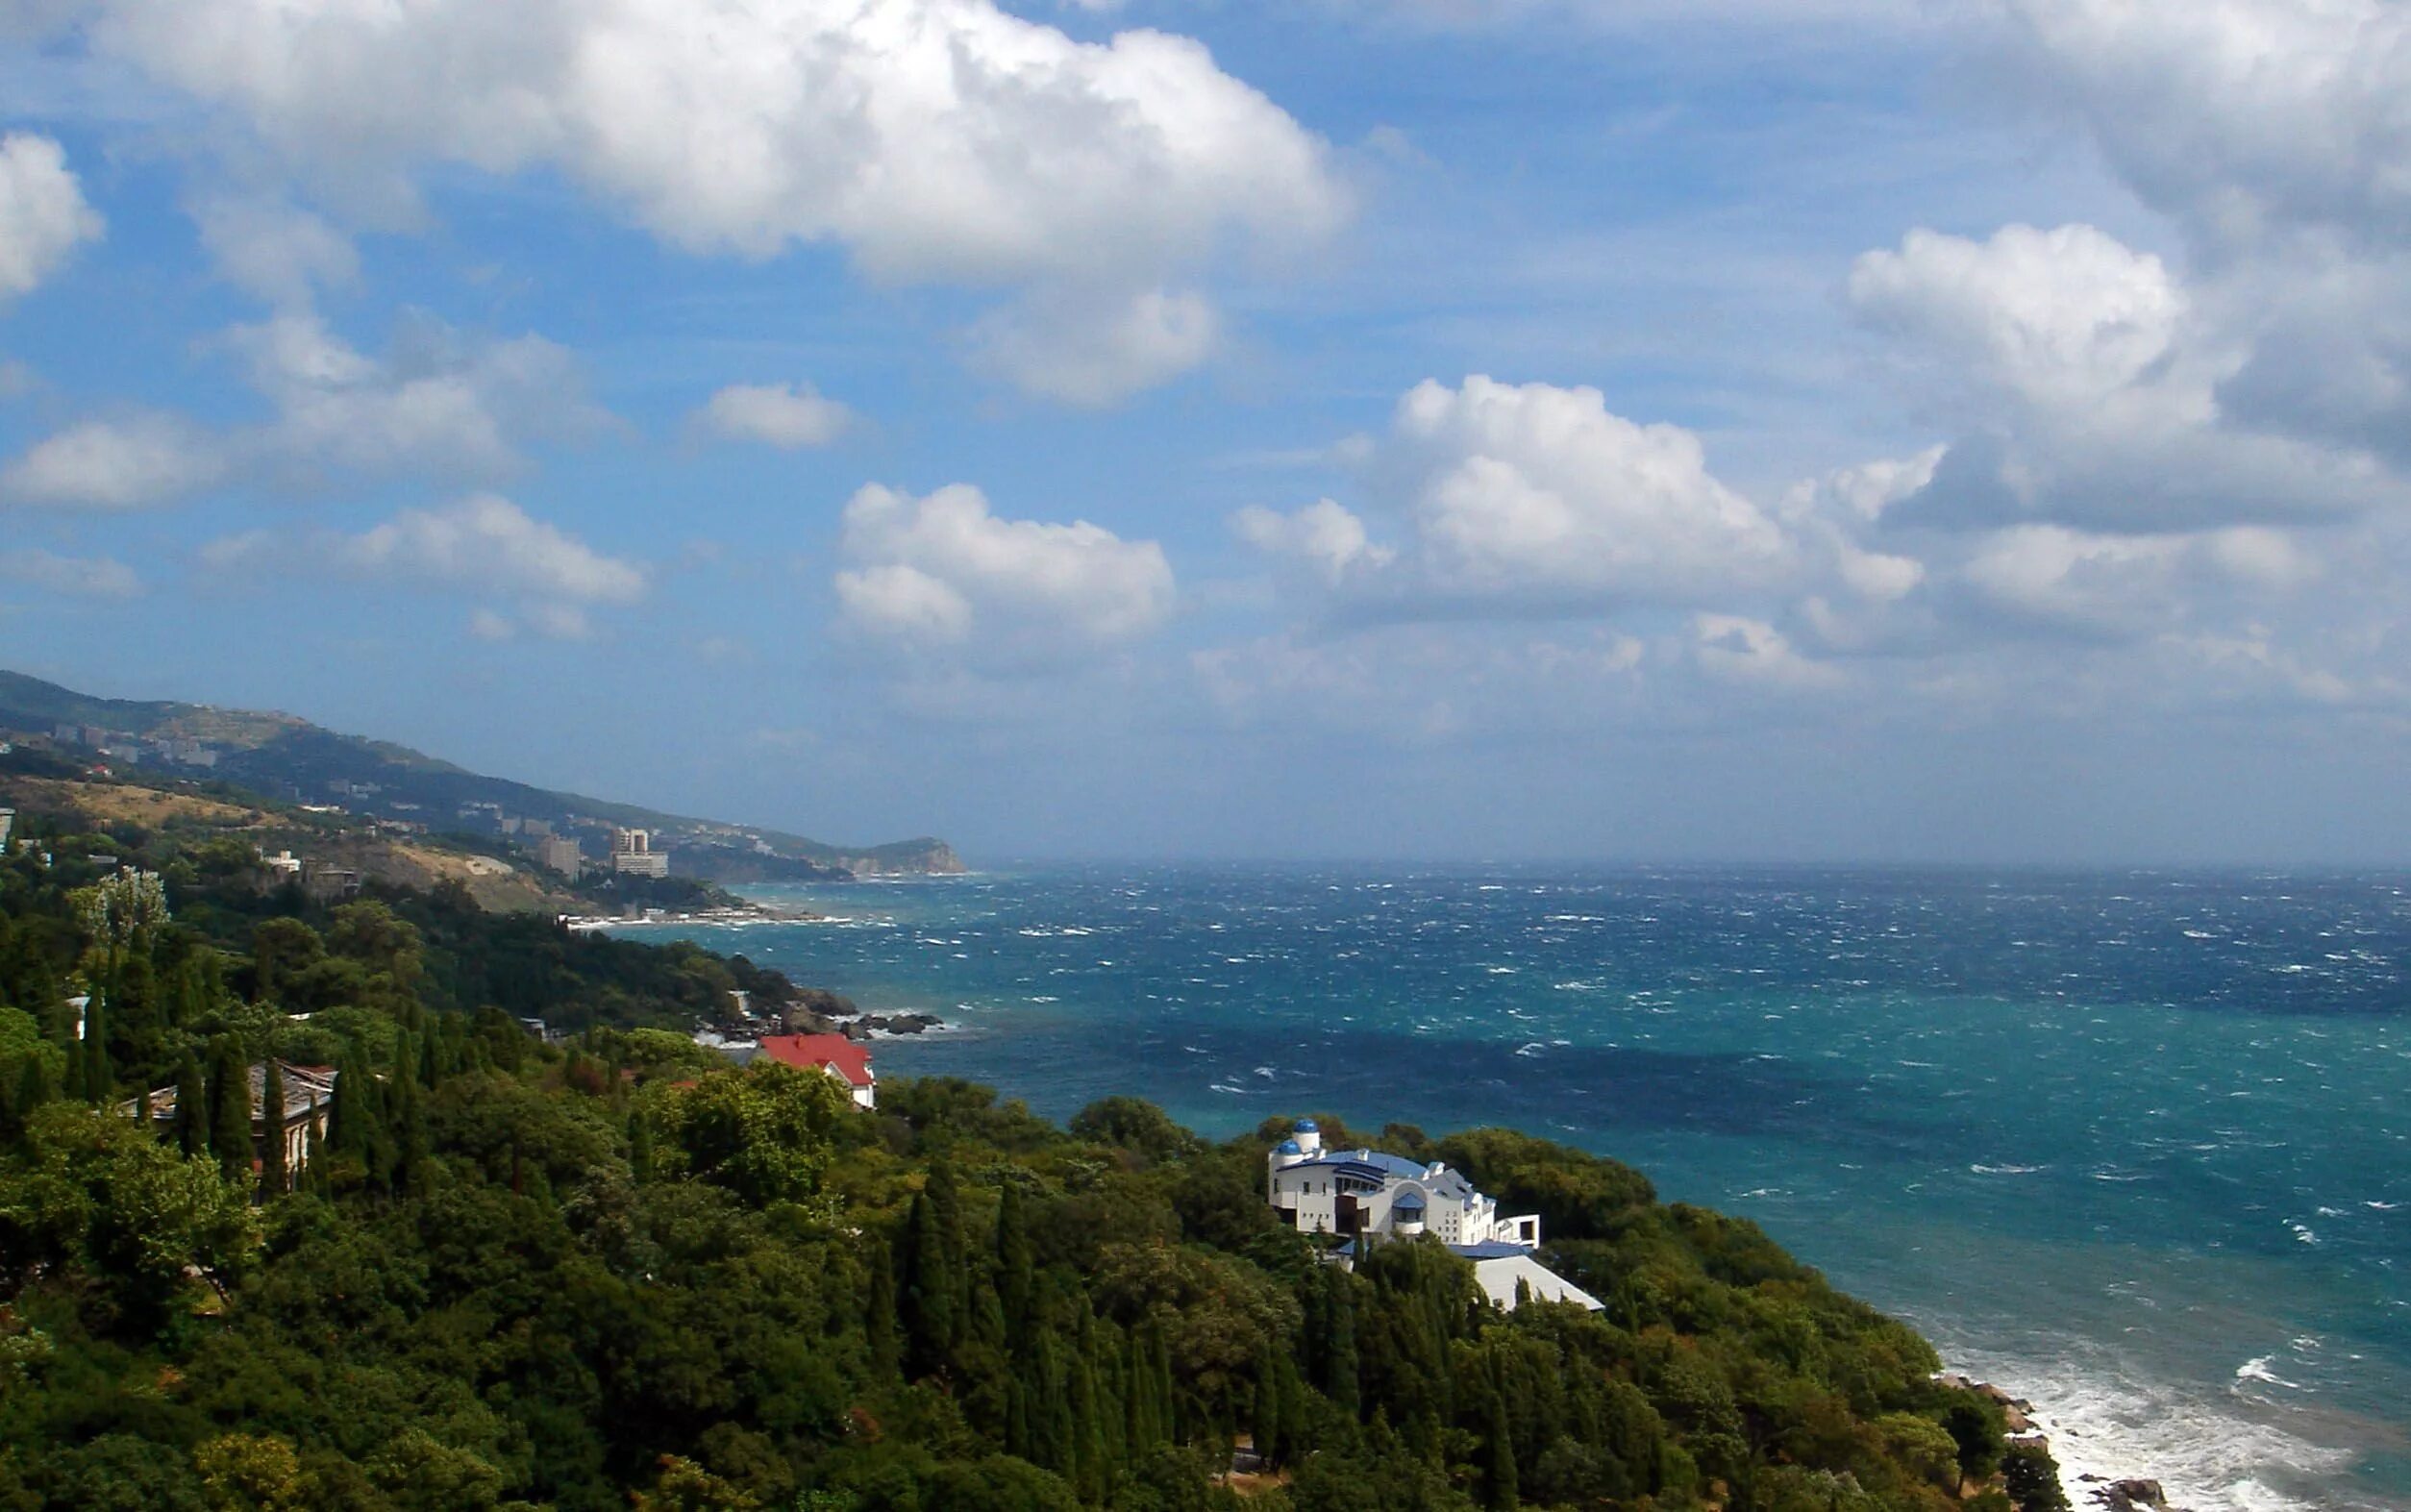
x=2135 y=1145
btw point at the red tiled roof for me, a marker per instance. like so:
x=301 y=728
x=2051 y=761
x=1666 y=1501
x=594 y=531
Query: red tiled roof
x=832 y=1053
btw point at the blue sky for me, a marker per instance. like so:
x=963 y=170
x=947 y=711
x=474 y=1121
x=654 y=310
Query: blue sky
x=1847 y=430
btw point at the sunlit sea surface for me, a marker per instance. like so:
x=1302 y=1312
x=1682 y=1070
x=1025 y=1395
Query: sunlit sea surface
x=2136 y=1145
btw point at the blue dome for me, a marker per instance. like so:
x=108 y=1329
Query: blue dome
x=1307 y=1126
x=1290 y=1147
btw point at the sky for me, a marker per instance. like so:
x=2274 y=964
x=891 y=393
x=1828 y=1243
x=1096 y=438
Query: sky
x=1573 y=429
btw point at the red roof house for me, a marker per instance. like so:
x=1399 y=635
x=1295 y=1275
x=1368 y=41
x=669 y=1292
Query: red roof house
x=848 y=1061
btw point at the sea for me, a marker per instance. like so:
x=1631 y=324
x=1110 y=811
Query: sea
x=2135 y=1145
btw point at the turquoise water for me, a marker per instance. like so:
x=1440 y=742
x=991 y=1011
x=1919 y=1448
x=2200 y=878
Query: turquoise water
x=2134 y=1145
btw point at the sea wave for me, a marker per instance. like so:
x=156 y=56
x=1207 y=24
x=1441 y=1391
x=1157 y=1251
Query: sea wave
x=2212 y=1454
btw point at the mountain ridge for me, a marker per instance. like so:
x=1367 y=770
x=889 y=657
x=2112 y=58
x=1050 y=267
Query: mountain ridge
x=284 y=755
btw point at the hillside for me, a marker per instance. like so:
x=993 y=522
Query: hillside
x=293 y=761
x=601 y=1269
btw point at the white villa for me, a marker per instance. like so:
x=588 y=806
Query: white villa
x=1365 y=1194
x=1355 y=1192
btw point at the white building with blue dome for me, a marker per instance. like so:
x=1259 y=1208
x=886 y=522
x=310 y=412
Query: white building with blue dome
x=1355 y=1193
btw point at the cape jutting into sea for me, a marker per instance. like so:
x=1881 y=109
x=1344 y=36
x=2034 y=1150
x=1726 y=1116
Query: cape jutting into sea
x=2136 y=1146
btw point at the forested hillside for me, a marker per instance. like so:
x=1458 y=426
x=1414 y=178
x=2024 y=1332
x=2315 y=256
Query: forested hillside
x=614 y=1272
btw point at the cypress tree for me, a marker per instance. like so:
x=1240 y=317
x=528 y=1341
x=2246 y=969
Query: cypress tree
x=1267 y=1422
x=345 y=1132
x=955 y=1258
x=411 y=1161
x=192 y=1108
x=100 y=1079
x=1089 y=1469
x=1015 y=1271
x=1340 y=1380
x=879 y=1320
x=1016 y=1418
x=927 y=1294
x=1050 y=1405
x=427 y=1075
x=273 y=1177
x=33 y=1088
x=230 y=1109
x=1498 y=1477
x=1151 y=1416
x=1138 y=1410
x=312 y=1175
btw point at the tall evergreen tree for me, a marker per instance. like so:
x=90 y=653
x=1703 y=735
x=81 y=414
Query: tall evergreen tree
x=33 y=1087
x=229 y=1108
x=100 y=1077
x=1090 y=1468
x=412 y=1158
x=1049 y=1405
x=952 y=1253
x=1015 y=1271
x=926 y=1293
x=192 y=1107
x=1497 y=1446
x=273 y=1177
x=879 y=1313
x=346 y=1133
x=1340 y=1379
x=1267 y=1423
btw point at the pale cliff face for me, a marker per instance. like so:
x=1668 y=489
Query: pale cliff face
x=935 y=858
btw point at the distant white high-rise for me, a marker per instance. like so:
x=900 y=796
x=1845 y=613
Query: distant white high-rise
x=633 y=854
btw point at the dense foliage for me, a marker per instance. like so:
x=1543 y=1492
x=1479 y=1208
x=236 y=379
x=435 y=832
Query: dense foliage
x=615 y=1272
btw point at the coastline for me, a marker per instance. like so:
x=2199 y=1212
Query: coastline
x=2129 y=1356
x=2109 y=1429
x=740 y=917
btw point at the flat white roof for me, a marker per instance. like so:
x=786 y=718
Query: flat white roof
x=1497 y=1278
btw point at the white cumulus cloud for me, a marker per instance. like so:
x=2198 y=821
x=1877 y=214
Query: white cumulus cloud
x=943 y=570
x=2241 y=116
x=1324 y=534
x=2090 y=390
x=486 y=542
x=2061 y=319
x=934 y=140
x=484 y=546
x=274 y=249
x=115 y=464
x=785 y=415
x=1542 y=493
x=438 y=404
x=44 y=217
x=1091 y=351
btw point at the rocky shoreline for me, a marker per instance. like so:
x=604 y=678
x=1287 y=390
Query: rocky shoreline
x=2129 y=1494
x=816 y=1010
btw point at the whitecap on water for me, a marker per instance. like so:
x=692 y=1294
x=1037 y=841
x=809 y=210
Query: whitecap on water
x=2211 y=1454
